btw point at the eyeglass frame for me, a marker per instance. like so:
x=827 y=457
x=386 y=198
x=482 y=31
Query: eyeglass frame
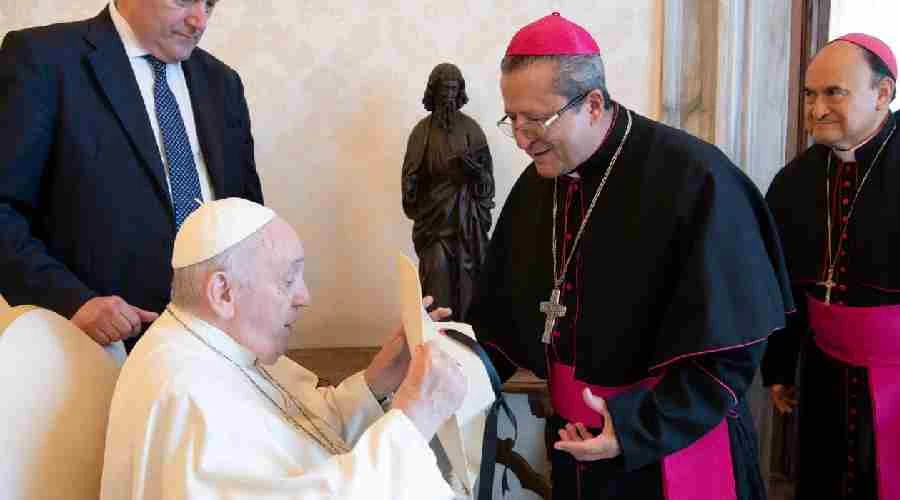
x=504 y=124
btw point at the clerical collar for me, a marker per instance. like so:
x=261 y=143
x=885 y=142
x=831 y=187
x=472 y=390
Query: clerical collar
x=214 y=337
x=864 y=152
x=597 y=163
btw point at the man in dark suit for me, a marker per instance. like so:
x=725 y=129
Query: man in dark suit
x=111 y=130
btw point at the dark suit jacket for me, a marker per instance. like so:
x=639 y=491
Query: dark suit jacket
x=84 y=204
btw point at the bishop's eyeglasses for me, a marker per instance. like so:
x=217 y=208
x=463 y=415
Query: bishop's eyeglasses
x=535 y=128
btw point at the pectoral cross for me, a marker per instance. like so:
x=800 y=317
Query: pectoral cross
x=828 y=284
x=553 y=310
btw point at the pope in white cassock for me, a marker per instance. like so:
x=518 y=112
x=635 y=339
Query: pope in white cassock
x=206 y=406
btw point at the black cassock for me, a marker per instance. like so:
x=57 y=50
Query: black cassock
x=679 y=273
x=836 y=433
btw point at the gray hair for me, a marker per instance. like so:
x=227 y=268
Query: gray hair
x=576 y=75
x=189 y=283
x=879 y=69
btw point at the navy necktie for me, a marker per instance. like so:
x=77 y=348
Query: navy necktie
x=183 y=178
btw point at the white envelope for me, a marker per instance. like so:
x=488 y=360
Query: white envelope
x=461 y=435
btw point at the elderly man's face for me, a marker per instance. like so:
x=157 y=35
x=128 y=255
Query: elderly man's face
x=271 y=301
x=842 y=106
x=169 y=29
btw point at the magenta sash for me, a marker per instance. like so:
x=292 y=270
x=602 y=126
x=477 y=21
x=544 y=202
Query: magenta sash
x=869 y=337
x=701 y=471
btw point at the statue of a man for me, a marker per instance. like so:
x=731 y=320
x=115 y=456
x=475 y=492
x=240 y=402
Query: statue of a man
x=448 y=191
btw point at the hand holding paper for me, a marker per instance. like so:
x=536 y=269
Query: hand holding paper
x=438 y=313
x=386 y=371
x=420 y=329
x=432 y=390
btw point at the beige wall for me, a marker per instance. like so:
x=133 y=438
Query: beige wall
x=334 y=89
x=875 y=17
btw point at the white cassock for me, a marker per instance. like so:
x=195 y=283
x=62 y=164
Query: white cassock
x=186 y=422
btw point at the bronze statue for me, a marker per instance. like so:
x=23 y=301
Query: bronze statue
x=448 y=191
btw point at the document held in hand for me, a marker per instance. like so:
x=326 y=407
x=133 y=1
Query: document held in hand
x=461 y=435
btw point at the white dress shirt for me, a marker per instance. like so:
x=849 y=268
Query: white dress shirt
x=177 y=83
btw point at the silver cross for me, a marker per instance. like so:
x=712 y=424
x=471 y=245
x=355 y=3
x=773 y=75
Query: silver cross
x=553 y=310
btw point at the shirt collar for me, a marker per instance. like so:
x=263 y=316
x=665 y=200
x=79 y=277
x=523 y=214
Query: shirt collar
x=213 y=337
x=866 y=147
x=133 y=47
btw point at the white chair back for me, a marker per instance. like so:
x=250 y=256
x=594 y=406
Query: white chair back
x=56 y=385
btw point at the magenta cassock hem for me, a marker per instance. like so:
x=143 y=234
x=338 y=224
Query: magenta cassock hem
x=869 y=337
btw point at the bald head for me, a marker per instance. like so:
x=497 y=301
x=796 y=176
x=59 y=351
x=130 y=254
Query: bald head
x=846 y=101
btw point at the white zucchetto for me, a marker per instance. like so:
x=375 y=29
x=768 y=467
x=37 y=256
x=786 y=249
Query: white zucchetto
x=215 y=227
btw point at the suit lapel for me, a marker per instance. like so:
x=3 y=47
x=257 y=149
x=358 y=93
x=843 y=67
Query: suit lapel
x=116 y=78
x=207 y=116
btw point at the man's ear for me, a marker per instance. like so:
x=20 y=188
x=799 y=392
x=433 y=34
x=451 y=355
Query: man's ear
x=220 y=294
x=886 y=89
x=596 y=104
